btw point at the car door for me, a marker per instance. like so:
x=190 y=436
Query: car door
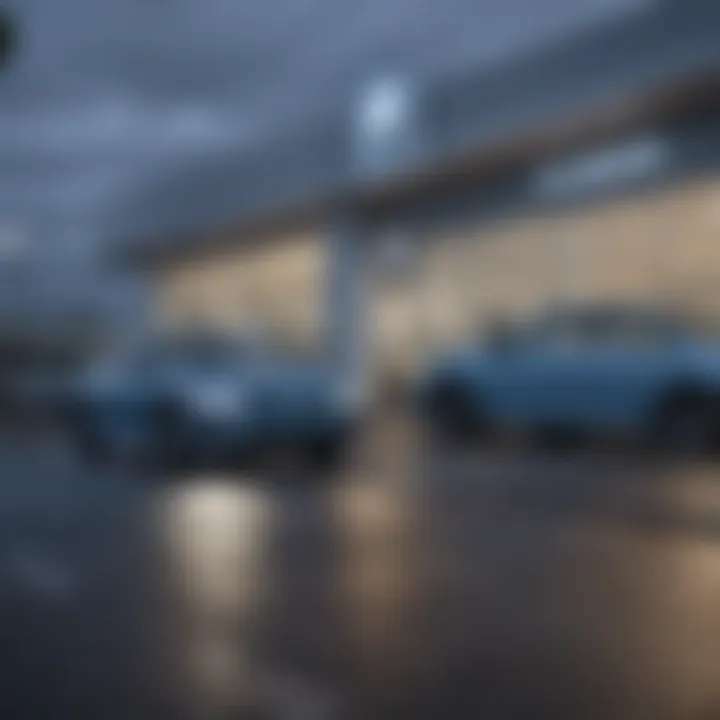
x=535 y=380
x=628 y=357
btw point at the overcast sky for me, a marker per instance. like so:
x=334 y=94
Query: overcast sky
x=107 y=97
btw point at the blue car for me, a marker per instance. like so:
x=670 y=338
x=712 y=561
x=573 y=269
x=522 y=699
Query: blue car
x=617 y=369
x=214 y=399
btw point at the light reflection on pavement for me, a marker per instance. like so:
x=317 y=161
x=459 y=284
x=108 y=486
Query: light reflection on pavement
x=421 y=585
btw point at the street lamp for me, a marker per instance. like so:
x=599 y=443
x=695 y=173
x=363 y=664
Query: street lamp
x=386 y=126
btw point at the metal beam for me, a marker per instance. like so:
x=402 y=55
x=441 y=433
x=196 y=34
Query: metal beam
x=347 y=303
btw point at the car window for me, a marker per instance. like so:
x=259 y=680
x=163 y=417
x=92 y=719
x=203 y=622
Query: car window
x=181 y=356
x=603 y=326
x=634 y=328
x=614 y=327
x=651 y=329
x=558 y=329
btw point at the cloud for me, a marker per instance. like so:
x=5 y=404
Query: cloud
x=101 y=126
x=110 y=95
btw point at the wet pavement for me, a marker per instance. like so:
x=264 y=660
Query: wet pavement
x=472 y=584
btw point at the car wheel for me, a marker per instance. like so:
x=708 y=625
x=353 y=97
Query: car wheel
x=560 y=438
x=131 y=448
x=166 y=451
x=453 y=416
x=84 y=435
x=91 y=446
x=328 y=457
x=305 y=461
x=686 y=425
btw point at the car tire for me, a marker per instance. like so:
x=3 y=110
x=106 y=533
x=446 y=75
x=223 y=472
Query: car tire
x=686 y=424
x=453 y=417
x=560 y=439
x=308 y=462
x=91 y=447
x=169 y=453
x=83 y=435
x=328 y=457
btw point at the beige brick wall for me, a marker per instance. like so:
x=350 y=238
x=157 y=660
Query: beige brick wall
x=664 y=245
x=278 y=282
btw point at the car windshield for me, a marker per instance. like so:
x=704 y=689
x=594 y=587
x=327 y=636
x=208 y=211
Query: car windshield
x=186 y=355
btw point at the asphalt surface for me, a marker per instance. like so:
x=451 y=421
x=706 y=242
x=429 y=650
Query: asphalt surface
x=488 y=583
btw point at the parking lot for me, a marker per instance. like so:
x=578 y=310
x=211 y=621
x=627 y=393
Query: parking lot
x=483 y=583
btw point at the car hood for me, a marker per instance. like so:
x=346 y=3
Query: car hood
x=287 y=376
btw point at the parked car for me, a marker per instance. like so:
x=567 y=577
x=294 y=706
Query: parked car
x=613 y=369
x=212 y=399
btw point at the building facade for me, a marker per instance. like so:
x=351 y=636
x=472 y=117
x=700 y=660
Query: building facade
x=589 y=171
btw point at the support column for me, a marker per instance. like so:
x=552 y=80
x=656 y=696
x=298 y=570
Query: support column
x=348 y=304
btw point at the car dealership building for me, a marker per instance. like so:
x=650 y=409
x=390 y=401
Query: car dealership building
x=588 y=169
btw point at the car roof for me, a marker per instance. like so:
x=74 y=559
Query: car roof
x=610 y=310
